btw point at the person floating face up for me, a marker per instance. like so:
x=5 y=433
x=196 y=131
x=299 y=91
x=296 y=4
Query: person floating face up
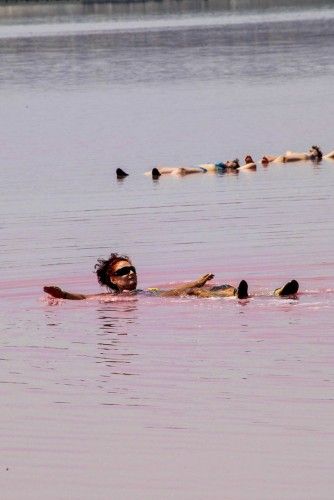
x=119 y=276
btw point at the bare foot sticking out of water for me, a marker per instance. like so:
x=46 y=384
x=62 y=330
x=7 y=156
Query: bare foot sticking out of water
x=121 y=174
x=290 y=288
x=242 y=292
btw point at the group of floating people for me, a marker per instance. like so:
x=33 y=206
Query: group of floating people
x=118 y=274
x=314 y=154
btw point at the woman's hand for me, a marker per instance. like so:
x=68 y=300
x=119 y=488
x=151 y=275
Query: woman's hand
x=203 y=279
x=55 y=291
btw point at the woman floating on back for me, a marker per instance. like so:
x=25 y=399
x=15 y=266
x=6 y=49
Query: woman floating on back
x=119 y=276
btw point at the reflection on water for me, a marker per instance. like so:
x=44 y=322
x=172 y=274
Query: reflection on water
x=108 y=59
x=61 y=12
x=105 y=50
x=114 y=323
x=181 y=397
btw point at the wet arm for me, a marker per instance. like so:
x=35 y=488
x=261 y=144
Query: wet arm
x=58 y=293
x=187 y=288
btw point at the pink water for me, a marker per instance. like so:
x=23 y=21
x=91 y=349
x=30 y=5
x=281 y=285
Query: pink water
x=176 y=398
x=180 y=398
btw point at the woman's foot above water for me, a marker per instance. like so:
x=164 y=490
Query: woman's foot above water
x=290 y=288
x=242 y=291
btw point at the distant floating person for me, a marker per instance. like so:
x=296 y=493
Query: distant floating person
x=314 y=154
x=219 y=167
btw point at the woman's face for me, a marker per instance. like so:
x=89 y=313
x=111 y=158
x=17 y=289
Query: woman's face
x=124 y=275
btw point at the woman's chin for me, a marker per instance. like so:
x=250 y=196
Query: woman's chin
x=131 y=287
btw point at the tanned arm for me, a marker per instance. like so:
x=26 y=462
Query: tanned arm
x=58 y=293
x=187 y=288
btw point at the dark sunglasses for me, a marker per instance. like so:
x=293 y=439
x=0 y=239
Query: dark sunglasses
x=123 y=271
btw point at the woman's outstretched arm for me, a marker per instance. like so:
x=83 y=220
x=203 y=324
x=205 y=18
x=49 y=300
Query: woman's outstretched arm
x=58 y=293
x=187 y=288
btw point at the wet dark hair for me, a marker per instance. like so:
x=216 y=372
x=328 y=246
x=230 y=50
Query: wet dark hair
x=319 y=152
x=102 y=269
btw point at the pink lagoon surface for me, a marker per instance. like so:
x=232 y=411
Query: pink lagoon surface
x=145 y=397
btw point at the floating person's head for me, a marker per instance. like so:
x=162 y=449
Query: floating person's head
x=233 y=163
x=316 y=152
x=116 y=273
x=249 y=159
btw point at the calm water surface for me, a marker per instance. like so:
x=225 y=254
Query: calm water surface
x=151 y=398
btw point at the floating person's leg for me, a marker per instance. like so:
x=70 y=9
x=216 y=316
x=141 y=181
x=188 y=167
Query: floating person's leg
x=192 y=170
x=329 y=156
x=281 y=159
x=222 y=291
x=208 y=167
x=121 y=174
x=191 y=288
x=268 y=159
x=290 y=288
x=157 y=172
x=177 y=171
